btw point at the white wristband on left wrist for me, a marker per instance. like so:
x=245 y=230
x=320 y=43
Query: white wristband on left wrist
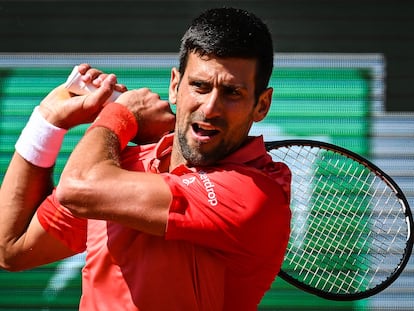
x=40 y=141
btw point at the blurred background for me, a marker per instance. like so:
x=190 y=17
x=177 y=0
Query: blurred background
x=344 y=73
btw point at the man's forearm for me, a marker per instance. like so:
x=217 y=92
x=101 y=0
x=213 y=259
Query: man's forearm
x=28 y=180
x=24 y=188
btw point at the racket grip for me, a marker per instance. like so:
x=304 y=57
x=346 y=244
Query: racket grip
x=75 y=85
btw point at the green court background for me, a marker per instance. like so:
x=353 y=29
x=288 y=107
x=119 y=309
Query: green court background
x=326 y=97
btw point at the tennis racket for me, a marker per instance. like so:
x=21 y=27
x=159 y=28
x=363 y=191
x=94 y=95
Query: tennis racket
x=351 y=224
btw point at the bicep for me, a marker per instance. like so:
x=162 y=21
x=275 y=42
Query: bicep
x=134 y=199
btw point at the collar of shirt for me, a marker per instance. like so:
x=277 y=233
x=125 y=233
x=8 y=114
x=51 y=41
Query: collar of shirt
x=252 y=151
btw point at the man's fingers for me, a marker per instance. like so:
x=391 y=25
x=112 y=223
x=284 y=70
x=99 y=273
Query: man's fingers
x=120 y=88
x=93 y=75
x=103 y=92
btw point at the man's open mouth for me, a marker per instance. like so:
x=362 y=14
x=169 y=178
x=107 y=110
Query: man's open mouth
x=203 y=130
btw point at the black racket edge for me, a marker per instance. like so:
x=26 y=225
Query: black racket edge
x=400 y=195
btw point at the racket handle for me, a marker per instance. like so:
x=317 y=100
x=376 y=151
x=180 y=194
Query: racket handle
x=75 y=85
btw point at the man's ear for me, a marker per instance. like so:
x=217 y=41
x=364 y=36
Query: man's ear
x=263 y=105
x=174 y=82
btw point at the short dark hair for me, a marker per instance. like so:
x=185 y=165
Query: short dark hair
x=230 y=32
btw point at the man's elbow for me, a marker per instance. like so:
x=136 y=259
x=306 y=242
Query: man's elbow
x=74 y=195
x=10 y=267
x=8 y=261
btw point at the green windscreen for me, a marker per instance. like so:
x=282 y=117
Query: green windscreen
x=326 y=102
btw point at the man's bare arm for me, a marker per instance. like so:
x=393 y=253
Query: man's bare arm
x=23 y=241
x=24 y=188
x=93 y=185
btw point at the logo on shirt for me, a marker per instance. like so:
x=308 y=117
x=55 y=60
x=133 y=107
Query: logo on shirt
x=188 y=181
x=209 y=186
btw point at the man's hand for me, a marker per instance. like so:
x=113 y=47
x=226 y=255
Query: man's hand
x=154 y=116
x=64 y=110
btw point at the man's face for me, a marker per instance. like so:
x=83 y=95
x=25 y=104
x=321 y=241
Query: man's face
x=215 y=101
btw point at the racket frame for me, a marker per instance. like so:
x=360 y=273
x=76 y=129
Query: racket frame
x=270 y=145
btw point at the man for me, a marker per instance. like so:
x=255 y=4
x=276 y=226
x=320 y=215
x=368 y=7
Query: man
x=198 y=220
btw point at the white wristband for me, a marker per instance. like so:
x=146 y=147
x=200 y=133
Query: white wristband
x=40 y=141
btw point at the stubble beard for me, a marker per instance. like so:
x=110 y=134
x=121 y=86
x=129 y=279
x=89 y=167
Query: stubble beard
x=193 y=154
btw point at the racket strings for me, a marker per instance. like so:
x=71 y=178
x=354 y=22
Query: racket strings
x=346 y=233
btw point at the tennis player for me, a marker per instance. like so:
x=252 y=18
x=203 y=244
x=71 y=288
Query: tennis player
x=194 y=216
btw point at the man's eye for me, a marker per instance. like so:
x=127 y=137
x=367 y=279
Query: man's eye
x=232 y=91
x=200 y=86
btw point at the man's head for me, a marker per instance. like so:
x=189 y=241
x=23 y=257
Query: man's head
x=230 y=32
x=221 y=86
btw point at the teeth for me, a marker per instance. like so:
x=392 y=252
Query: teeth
x=204 y=128
x=205 y=131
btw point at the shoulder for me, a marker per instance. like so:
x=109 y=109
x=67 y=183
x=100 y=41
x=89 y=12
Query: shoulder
x=230 y=189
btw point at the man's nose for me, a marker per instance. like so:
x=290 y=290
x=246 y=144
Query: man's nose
x=212 y=106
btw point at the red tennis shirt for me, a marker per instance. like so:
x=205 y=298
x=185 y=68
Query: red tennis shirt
x=226 y=237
